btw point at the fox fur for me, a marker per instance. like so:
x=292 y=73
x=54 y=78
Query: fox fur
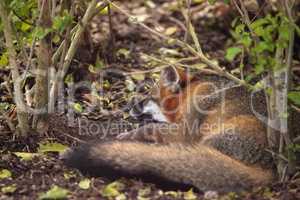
x=230 y=157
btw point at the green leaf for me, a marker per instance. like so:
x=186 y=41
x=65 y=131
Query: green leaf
x=51 y=147
x=171 y=30
x=4 y=173
x=189 y=195
x=124 y=52
x=69 y=79
x=26 y=155
x=259 y=31
x=60 y=23
x=9 y=189
x=55 y=193
x=294 y=97
x=211 y=1
x=112 y=189
x=172 y=194
x=261 y=47
x=104 y=11
x=85 y=184
x=77 y=107
x=138 y=77
x=99 y=63
x=259 y=68
x=56 y=39
x=40 y=32
x=142 y=193
x=269 y=32
x=259 y=85
x=232 y=52
x=4 y=60
x=284 y=32
x=25 y=27
x=69 y=174
x=4 y=107
x=259 y=23
x=106 y=84
x=240 y=28
x=246 y=40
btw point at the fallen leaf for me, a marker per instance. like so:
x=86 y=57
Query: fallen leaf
x=85 y=184
x=4 y=173
x=26 y=155
x=55 y=193
x=112 y=189
x=171 y=30
x=51 y=147
x=189 y=195
x=8 y=189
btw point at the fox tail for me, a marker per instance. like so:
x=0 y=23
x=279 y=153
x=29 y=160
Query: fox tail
x=187 y=165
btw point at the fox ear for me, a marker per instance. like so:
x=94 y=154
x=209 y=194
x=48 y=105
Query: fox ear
x=169 y=76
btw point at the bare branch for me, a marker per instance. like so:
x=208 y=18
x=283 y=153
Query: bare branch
x=182 y=44
x=14 y=65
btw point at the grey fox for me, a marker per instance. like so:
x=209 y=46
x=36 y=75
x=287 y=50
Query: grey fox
x=210 y=138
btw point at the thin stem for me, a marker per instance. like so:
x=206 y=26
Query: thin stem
x=182 y=44
x=18 y=94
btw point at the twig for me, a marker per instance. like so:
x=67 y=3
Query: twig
x=18 y=94
x=290 y=52
x=296 y=108
x=7 y=85
x=167 y=64
x=44 y=53
x=112 y=35
x=182 y=44
x=75 y=138
x=178 y=22
x=241 y=64
x=96 y=11
x=21 y=18
x=31 y=50
x=186 y=12
x=245 y=16
x=75 y=42
x=91 y=11
x=9 y=122
x=59 y=50
x=297 y=139
x=190 y=28
x=282 y=157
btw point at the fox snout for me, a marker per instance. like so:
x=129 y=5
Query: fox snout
x=150 y=108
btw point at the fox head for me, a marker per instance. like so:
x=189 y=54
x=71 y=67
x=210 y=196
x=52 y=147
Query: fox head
x=166 y=98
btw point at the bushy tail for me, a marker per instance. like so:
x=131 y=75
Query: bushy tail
x=197 y=165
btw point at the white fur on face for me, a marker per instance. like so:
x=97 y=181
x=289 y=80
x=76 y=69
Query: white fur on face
x=153 y=108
